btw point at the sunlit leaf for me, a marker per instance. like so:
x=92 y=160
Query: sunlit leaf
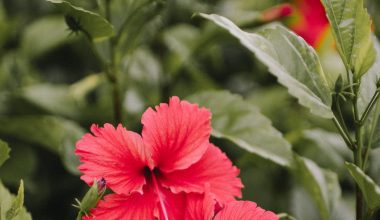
x=370 y=190
x=11 y=207
x=351 y=27
x=55 y=134
x=4 y=152
x=290 y=59
x=93 y=25
x=243 y=124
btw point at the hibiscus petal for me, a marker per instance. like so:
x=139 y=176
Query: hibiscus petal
x=213 y=168
x=177 y=133
x=200 y=206
x=123 y=207
x=170 y=206
x=244 y=210
x=117 y=155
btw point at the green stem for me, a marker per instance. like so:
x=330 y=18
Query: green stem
x=370 y=106
x=112 y=72
x=358 y=152
x=349 y=142
x=359 y=201
x=346 y=137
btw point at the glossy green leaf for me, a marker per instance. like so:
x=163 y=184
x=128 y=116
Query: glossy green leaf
x=11 y=207
x=54 y=30
x=322 y=185
x=4 y=152
x=370 y=190
x=53 y=133
x=243 y=124
x=290 y=59
x=93 y=25
x=351 y=27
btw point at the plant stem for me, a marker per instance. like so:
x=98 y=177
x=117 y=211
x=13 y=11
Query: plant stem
x=370 y=106
x=358 y=152
x=112 y=72
x=345 y=136
x=341 y=125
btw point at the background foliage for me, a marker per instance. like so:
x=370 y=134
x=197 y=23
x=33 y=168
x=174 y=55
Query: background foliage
x=52 y=88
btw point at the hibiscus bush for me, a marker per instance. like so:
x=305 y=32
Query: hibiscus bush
x=189 y=109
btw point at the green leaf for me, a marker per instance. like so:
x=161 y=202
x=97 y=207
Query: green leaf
x=243 y=124
x=322 y=185
x=53 y=133
x=54 y=32
x=182 y=41
x=17 y=203
x=14 y=170
x=11 y=207
x=64 y=100
x=332 y=149
x=56 y=99
x=367 y=90
x=4 y=152
x=351 y=27
x=137 y=22
x=368 y=81
x=93 y=25
x=290 y=59
x=370 y=190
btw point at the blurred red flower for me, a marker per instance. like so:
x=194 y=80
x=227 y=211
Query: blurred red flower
x=309 y=21
x=307 y=18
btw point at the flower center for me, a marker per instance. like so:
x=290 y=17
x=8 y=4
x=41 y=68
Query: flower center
x=147 y=173
x=151 y=176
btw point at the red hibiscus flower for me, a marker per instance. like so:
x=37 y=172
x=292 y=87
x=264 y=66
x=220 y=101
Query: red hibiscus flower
x=306 y=17
x=161 y=173
x=309 y=21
